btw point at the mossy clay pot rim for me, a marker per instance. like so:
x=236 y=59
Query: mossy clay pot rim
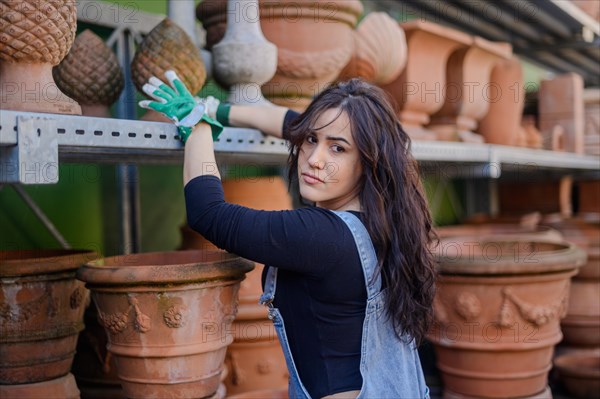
x=163 y=268
x=551 y=257
x=15 y=263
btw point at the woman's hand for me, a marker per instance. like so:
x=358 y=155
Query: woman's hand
x=177 y=103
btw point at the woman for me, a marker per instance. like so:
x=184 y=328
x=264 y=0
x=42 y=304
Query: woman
x=351 y=276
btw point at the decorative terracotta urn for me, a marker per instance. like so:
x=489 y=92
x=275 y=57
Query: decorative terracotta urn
x=90 y=74
x=468 y=90
x=379 y=50
x=420 y=89
x=561 y=104
x=244 y=60
x=497 y=314
x=166 y=47
x=59 y=388
x=506 y=100
x=35 y=36
x=41 y=313
x=314 y=42
x=168 y=318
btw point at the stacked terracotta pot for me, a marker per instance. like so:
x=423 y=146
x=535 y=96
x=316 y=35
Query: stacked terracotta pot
x=168 y=318
x=41 y=309
x=498 y=308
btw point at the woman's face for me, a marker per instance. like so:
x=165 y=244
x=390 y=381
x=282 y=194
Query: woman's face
x=329 y=167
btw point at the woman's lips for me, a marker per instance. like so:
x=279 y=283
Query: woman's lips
x=311 y=179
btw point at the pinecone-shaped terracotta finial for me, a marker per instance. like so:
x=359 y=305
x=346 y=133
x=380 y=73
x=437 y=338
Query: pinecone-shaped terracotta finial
x=36 y=31
x=90 y=73
x=380 y=50
x=34 y=36
x=166 y=47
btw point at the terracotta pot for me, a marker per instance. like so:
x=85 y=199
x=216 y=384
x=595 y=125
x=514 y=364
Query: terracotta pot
x=532 y=136
x=561 y=104
x=545 y=394
x=420 y=89
x=60 y=388
x=34 y=36
x=580 y=374
x=538 y=233
x=90 y=74
x=314 y=42
x=506 y=99
x=166 y=312
x=379 y=50
x=166 y=47
x=468 y=90
x=41 y=309
x=581 y=326
x=497 y=314
x=262 y=394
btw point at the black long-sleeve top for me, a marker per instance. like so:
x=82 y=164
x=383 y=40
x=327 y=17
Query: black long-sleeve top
x=321 y=291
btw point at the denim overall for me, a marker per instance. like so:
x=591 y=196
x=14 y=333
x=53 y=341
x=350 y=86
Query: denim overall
x=390 y=367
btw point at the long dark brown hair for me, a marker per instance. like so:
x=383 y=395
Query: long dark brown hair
x=392 y=198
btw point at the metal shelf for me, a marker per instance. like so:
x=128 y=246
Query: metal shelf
x=35 y=141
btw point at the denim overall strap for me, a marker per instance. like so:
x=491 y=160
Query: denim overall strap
x=296 y=389
x=366 y=251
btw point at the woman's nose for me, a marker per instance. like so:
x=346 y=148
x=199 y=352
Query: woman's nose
x=315 y=160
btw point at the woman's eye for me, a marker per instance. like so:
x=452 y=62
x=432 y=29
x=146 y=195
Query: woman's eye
x=338 y=148
x=311 y=139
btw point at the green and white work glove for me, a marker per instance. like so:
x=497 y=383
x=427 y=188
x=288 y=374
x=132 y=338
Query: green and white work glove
x=176 y=103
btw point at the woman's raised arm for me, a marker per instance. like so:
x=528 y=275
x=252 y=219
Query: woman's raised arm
x=267 y=119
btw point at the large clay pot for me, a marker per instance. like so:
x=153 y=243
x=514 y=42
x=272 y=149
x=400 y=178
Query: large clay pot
x=497 y=314
x=580 y=374
x=420 y=89
x=168 y=318
x=314 y=42
x=581 y=326
x=90 y=74
x=59 y=388
x=35 y=36
x=167 y=47
x=41 y=313
x=380 y=50
x=538 y=233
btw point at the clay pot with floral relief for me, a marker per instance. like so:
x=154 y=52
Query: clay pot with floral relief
x=314 y=43
x=35 y=36
x=497 y=312
x=41 y=313
x=167 y=47
x=90 y=74
x=168 y=318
